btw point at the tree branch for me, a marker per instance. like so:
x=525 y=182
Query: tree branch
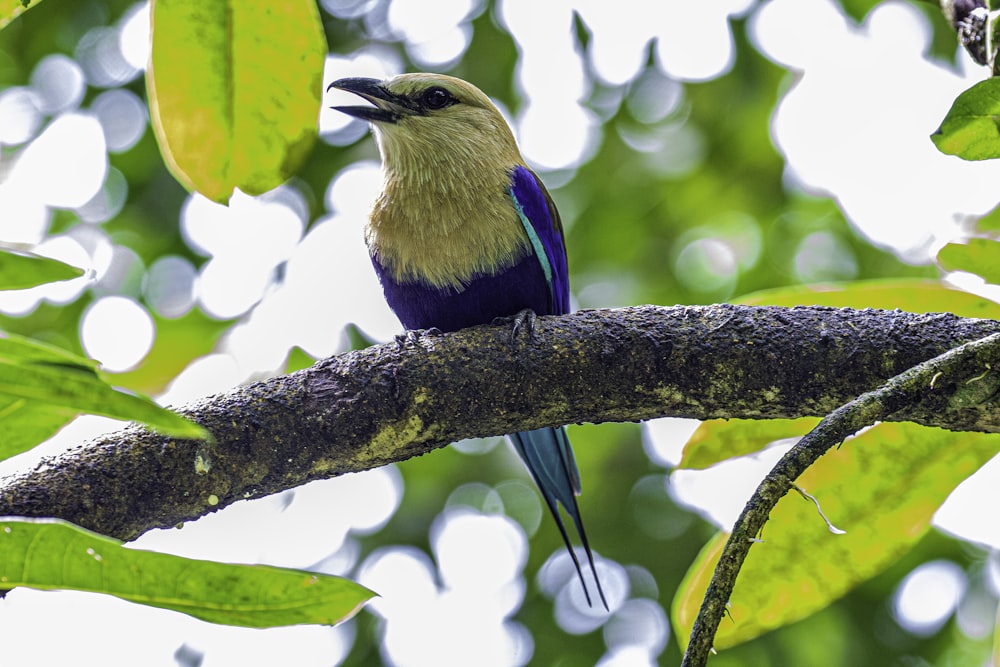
x=971 y=363
x=365 y=409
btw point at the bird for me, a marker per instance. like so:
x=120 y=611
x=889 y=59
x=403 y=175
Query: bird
x=465 y=233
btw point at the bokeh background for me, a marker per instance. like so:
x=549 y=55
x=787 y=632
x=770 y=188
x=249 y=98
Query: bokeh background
x=696 y=151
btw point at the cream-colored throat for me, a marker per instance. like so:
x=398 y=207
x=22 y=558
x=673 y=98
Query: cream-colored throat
x=443 y=226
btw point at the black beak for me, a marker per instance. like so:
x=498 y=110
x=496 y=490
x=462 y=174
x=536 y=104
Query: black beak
x=388 y=108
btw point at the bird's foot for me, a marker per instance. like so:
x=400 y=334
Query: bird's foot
x=415 y=337
x=523 y=320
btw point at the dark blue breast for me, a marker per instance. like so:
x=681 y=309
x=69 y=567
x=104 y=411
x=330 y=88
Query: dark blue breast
x=485 y=297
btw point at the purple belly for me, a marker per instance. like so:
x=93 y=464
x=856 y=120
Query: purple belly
x=485 y=298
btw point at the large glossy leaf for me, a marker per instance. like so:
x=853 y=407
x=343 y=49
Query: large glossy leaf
x=42 y=387
x=719 y=439
x=882 y=487
x=978 y=256
x=234 y=91
x=970 y=128
x=22 y=270
x=913 y=295
x=49 y=554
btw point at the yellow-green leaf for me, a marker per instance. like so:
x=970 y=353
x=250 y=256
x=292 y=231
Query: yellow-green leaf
x=22 y=270
x=970 y=128
x=48 y=554
x=989 y=222
x=24 y=424
x=882 y=487
x=909 y=294
x=720 y=439
x=235 y=90
x=978 y=256
x=11 y=9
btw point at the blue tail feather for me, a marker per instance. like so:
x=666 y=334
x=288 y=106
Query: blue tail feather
x=547 y=454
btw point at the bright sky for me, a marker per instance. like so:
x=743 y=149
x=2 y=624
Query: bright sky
x=878 y=98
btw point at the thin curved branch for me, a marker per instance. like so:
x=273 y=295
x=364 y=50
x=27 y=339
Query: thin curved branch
x=388 y=403
x=970 y=364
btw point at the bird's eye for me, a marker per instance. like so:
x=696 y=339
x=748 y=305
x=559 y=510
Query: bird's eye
x=436 y=98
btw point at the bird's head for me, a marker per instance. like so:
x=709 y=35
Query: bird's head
x=422 y=119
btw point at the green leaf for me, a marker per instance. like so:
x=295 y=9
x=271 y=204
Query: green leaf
x=42 y=387
x=11 y=9
x=882 y=487
x=913 y=295
x=49 y=554
x=24 y=424
x=971 y=128
x=978 y=256
x=19 y=271
x=989 y=222
x=858 y=9
x=234 y=91
x=719 y=439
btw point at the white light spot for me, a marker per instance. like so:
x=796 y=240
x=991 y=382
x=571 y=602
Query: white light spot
x=122 y=116
x=203 y=377
x=348 y=9
x=707 y=265
x=133 y=36
x=58 y=83
x=639 y=623
x=720 y=492
x=694 y=42
x=411 y=21
x=239 y=273
x=927 y=596
x=25 y=219
x=19 y=115
x=99 y=53
x=875 y=157
x=116 y=331
x=353 y=190
x=558 y=578
x=663 y=439
x=332 y=266
x=443 y=50
x=66 y=164
x=478 y=551
x=228 y=286
x=822 y=256
x=573 y=143
x=169 y=286
x=108 y=201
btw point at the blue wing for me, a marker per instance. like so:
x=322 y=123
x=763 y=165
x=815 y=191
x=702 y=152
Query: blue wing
x=544 y=228
x=547 y=452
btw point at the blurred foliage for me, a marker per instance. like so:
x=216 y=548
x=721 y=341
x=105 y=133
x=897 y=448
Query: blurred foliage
x=635 y=222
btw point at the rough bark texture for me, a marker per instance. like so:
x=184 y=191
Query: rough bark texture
x=364 y=409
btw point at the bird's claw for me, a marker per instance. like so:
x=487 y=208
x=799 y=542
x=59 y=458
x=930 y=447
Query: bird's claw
x=523 y=320
x=414 y=337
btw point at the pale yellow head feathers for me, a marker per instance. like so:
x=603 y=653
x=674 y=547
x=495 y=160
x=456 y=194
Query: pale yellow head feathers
x=445 y=213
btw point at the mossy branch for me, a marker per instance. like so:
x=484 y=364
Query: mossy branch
x=391 y=402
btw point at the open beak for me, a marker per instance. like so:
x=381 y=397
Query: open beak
x=388 y=108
